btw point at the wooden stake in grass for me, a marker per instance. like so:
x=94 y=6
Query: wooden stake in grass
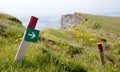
x=101 y=53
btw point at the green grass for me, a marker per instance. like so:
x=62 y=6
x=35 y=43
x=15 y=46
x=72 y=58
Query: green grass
x=69 y=50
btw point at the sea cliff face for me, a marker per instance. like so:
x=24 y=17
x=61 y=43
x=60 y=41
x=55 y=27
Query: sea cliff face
x=71 y=20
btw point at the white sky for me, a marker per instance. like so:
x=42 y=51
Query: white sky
x=57 y=7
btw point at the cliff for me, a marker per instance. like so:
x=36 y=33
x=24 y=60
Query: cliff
x=71 y=20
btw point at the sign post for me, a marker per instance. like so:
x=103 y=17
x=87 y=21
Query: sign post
x=101 y=53
x=29 y=35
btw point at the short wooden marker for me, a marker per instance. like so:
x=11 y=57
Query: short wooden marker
x=101 y=53
x=24 y=43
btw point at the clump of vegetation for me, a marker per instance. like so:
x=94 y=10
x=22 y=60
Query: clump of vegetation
x=73 y=51
x=96 y=25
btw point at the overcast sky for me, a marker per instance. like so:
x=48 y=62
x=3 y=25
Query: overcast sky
x=57 y=7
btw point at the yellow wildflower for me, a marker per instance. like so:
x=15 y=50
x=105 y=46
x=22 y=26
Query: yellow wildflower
x=16 y=40
x=81 y=39
x=20 y=38
x=115 y=65
x=91 y=39
x=87 y=52
x=84 y=34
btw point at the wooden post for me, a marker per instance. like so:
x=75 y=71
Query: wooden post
x=24 y=44
x=101 y=53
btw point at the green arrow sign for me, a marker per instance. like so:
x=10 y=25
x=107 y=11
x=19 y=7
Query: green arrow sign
x=32 y=35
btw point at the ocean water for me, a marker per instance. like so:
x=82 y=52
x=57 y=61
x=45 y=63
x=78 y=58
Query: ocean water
x=45 y=22
x=107 y=13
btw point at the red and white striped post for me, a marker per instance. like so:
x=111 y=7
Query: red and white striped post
x=24 y=44
x=101 y=53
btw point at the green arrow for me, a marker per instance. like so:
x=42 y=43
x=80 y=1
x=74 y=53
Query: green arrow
x=32 y=35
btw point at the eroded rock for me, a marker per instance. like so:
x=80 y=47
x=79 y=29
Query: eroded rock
x=71 y=20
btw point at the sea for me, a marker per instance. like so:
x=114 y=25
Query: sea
x=46 y=22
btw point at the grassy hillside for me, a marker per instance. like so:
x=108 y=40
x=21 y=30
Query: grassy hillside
x=109 y=25
x=69 y=50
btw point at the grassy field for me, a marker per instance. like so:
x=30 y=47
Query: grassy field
x=69 y=50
